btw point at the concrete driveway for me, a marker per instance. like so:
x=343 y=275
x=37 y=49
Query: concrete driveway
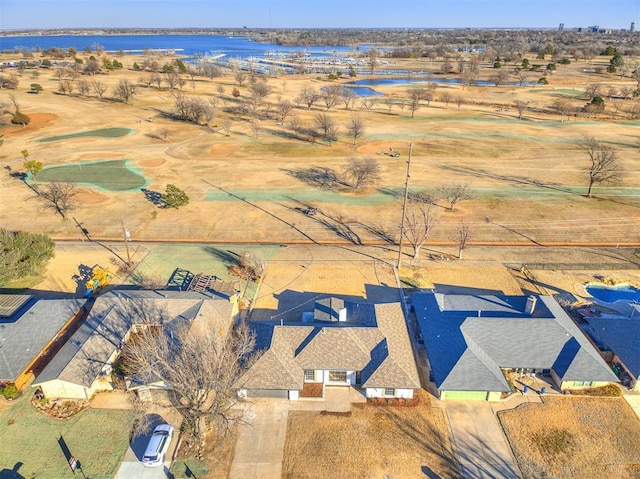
x=260 y=445
x=479 y=441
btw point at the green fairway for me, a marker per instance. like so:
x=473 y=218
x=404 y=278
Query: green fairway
x=98 y=438
x=110 y=175
x=101 y=133
x=304 y=196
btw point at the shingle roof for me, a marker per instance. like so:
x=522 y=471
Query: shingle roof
x=24 y=334
x=374 y=340
x=622 y=336
x=469 y=338
x=86 y=353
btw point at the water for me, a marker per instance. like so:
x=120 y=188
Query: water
x=610 y=294
x=425 y=79
x=232 y=46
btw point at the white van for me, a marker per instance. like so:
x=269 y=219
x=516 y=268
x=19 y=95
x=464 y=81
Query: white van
x=158 y=445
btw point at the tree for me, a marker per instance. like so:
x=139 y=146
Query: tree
x=99 y=88
x=125 y=90
x=521 y=106
x=308 y=96
x=415 y=96
x=259 y=91
x=332 y=95
x=355 y=128
x=456 y=193
x=36 y=88
x=199 y=364
x=368 y=102
x=464 y=233
x=459 y=99
x=66 y=87
x=446 y=98
x=419 y=221
x=605 y=167
x=59 y=197
x=327 y=126
x=20 y=118
x=174 y=197
x=563 y=107
x=23 y=254
x=283 y=108
x=33 y=166
x=362 y=172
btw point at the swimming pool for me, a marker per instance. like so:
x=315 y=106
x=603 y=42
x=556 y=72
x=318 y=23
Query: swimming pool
x=610 y=294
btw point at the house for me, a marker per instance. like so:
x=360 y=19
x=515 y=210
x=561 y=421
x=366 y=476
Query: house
x=342 y=343
x=29 y=330
x=83 y=365
x=474 y=341
x=622 y=337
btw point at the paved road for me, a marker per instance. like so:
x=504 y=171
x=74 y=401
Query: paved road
x=479 y=442
x=259 y=450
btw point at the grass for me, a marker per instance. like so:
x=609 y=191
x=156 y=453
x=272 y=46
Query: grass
x=111 y=175
x=100 y=133
x=98 y=438
x=306 y=196
x=374 y=441
x=574 y=437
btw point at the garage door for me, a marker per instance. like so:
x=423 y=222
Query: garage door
x=477 y=395
x=268 y=393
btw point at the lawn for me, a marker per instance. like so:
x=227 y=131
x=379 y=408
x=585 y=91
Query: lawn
x=100 y=133
x=98 y=438
x=575 y=437
x=374 y=441
x=112 y=175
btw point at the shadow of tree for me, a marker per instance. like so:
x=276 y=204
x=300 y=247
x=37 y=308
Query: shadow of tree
x=154 y=197
x=318 y=177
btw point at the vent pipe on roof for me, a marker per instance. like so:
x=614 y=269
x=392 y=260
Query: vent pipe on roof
x=531 y=305
x=342 y=315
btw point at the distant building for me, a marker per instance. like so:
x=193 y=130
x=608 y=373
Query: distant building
x=561 y=27
x=634 y=25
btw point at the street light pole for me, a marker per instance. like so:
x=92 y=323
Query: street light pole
x=404 y=205
x=126 y=235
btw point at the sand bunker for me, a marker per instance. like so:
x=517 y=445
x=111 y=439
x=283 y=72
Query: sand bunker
x=224 y=149
x=88 y=197
x=152 y=162
x=376 y=147
x=38 y=121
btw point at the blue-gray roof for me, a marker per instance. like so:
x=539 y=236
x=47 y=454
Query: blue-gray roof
x=24 y=334
x=622 y=336
x=470 y=338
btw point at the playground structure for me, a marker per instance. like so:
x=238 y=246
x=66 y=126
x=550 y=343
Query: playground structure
x=100 y=277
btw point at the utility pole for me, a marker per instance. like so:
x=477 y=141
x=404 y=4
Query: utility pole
x=127 y=235
x=404 y=205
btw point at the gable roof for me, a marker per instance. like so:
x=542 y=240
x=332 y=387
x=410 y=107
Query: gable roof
x=29 y=328
x=86 y=353
x=374 y=340
x=470 y=338
x=622 y=336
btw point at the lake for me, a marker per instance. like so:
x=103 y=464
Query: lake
x=425 y=79
x=188 y=45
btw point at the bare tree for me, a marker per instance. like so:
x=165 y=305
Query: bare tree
x=464 y=233
x=446 y=98
x=83 y=87
x=414 y=100
x=348 y=98
x=99 y=88
x=283 y=108
x=255 y=127
x=456 y=193
x=355 y=128
x=419 y=221
x=172 y=79
x=226 y=127
x=563 y=107
x=59 y=197
x=308 y=96
x=200 y=366
x=125 y=90
x=500 y=77
x=65 y=87
x=327 y=126
x=362 y=172
x=459 y=99
x=605 y=167
x=332 y=95
x=368 y=103
x=521 y=106
x=259 y=91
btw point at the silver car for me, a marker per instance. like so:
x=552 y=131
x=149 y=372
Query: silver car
x=158 y=445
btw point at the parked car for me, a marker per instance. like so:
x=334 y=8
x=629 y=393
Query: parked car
x=158 y=445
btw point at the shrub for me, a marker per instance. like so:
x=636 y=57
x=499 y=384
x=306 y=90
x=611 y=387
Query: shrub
x=23 y=254
x=20 y=118
x=10 y=391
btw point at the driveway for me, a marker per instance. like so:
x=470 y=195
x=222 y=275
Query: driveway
x=260 y=444
x=479 y=441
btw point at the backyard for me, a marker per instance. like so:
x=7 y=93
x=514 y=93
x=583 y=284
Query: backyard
x=98 y=438
x=373 y=441
x=574 y=437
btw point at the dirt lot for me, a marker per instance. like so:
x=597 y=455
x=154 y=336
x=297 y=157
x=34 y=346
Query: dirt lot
x=374 y=441
x=575 y=437
x=527 y=175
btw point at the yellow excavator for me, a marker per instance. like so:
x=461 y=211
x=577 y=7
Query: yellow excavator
x=100 y=277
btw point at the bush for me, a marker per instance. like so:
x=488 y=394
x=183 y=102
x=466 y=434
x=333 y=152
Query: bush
x=23 y=254
x=10 y=391
x=20 y=118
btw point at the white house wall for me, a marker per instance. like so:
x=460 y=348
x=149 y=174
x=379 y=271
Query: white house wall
x=351 y=378
x=379 y=393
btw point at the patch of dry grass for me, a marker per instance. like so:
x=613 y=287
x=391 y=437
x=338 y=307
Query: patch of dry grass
x=575 y=437
x=373 y=441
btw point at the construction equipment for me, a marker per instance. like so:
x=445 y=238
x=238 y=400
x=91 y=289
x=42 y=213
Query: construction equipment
x=100 y=277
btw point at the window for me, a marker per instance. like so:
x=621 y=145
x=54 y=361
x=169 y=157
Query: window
x=309 y=375
x=389 y=392
x=338 y=376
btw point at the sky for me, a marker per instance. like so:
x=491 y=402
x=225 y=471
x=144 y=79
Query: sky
x=41 y=14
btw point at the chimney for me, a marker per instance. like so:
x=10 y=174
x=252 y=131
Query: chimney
x=531 y=305
x=342 y=315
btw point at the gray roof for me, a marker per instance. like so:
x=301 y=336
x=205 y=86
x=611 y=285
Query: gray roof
x=86 y=353
x=10 y=304
x=622 y=336
x=470 y=338
x=374 y=341
x=24 y=334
